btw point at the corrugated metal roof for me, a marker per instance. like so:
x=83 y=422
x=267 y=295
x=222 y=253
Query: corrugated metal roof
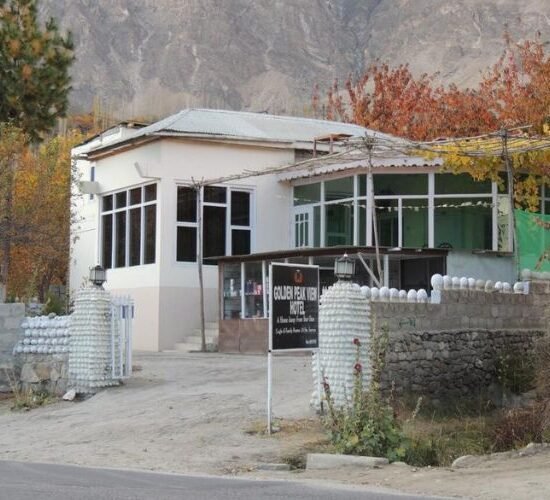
x=246 y=125
x=317 y=169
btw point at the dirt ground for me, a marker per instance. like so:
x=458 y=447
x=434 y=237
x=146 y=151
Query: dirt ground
x=205 y=413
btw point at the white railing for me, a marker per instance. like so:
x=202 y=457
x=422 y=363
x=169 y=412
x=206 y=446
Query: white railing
x=122 y=315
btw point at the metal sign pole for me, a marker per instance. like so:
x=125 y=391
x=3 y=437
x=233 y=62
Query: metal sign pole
x=317 y=354
x=270 y=355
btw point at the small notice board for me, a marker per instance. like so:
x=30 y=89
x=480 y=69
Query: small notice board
x=293 y=315
x=294 y=307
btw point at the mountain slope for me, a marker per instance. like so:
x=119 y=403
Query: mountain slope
x=151 y=57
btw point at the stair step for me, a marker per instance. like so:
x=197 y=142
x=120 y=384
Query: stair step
x=209 y=333
x=195 y=346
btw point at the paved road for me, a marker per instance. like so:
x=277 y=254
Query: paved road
x=28 y=481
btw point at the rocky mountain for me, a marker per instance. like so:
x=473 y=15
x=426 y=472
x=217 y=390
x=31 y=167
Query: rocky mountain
x=151 y=57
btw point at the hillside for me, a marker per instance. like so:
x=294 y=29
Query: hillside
x=151 y=57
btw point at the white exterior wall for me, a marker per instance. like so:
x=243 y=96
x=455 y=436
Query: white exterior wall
x=182 y=161
x=166 y=293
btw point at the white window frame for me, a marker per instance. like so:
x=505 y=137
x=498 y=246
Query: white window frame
x=228 y=226
x=429 y=198
x=113 y=212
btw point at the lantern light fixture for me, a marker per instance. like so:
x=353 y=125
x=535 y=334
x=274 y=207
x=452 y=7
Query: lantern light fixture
x=98 y=276
x=344 y=268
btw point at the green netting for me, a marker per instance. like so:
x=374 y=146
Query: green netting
x=533 y=235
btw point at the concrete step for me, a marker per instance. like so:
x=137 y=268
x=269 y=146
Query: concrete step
x=193 y=343
x=210 y=333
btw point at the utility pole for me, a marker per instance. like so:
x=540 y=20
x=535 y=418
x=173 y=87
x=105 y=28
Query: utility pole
x=198 y=191
x=510 y=181
x=369 y=144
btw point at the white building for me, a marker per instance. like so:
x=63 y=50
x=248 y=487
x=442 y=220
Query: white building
x=139 y=215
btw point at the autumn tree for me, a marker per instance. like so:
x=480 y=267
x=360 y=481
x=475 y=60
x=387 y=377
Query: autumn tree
x=13 y=144
x=513 y=92
x=43 y=203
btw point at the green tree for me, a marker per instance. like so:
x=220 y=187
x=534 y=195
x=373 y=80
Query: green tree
x=35 y=62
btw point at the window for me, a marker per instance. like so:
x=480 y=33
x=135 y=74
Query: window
x=412 y=211
x=128 y=227
x=463 y=223
x=460 y=184
x=400 y=184
x=227 y=226
x=310 y=193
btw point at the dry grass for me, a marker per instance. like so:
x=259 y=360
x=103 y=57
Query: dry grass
x=542 y=357
x=300 y=437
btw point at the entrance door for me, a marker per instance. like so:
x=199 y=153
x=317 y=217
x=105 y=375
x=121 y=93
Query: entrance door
x=303 y=227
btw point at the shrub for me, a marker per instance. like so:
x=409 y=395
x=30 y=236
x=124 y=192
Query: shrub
x=53 y=305
x=520 y=426
x=368 y=425
x=542 y=363
x=516 y=371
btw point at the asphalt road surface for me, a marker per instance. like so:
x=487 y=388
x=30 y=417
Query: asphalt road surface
x=29 y=481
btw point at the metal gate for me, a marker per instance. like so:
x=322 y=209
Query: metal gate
x=122 y=315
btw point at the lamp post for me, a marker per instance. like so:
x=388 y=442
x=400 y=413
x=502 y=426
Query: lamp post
x=344 y=268
x=98 y=276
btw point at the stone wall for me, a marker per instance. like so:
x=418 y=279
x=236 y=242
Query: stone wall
x=11 y=317
x=450 y=349
x=44 y=372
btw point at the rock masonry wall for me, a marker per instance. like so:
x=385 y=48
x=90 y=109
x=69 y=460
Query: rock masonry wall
x=42 y=353
x=449 y=349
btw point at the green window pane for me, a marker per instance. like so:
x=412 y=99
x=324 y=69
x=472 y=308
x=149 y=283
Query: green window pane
x=400 y=184
x=463 y=223
x=460 y=184
x=362 y=180
x=415 y=223
x=362 y=223
x=339 y=224
x=387 y=223
x=339 y=189
x=310 y=193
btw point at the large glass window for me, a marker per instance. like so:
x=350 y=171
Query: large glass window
x=463 y=223
x=409 y=213
x=227 y=223
x=339 y=189
x=460 y=184
x=414 y=215
x=387 y=215
x=214 y=231
x=128 y=227
x=305 y=195
x=339 y=224
x=400 y=184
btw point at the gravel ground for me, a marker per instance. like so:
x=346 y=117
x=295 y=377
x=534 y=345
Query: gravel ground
x=190 y=413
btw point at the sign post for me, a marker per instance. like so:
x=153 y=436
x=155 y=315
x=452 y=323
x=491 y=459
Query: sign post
x=293 y=315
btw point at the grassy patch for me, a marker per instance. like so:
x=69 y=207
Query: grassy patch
x=27 y=399
x=439 y=442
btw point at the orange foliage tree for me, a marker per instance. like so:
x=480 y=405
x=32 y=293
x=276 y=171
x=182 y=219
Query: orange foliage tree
x=514 y=92
x=42 y=203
